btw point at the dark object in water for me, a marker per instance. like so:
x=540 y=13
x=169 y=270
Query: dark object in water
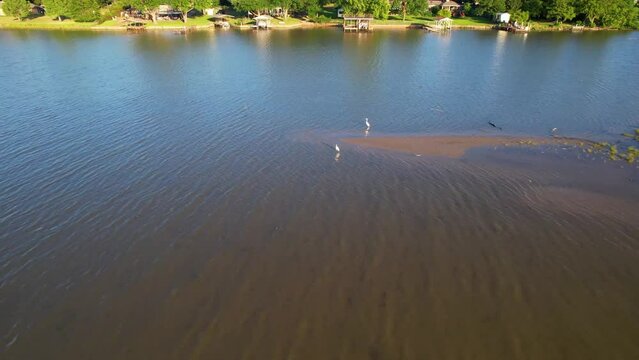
x=493 y=125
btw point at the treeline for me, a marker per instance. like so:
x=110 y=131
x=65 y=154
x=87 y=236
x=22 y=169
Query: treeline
x=93 y=10
x=606 y=13
x=311 y=8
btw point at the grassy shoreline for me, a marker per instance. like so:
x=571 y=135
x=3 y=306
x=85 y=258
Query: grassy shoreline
x=205 y=23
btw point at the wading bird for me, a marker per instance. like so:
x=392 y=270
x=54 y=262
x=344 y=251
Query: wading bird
x=368 y=125
x=336 y=148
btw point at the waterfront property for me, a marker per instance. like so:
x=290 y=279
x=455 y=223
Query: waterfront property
x=357 y=23
x=166 y=12
x=502 y=17
x=451 y=6
x=262 y=22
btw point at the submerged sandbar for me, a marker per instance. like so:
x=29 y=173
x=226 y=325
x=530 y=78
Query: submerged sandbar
x=453 y=145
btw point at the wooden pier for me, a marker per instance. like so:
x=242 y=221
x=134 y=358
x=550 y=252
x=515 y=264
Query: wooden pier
x=262 y=22
x=357 y=23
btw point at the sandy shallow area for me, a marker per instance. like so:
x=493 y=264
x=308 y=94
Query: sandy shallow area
x=454 y=145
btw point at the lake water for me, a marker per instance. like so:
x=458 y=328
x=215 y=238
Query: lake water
x=171 y=196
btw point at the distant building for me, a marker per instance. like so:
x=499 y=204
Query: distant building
x=167 y=12
x=502 y=17
x=434 y=3
x=451 y=6
x=1 y=11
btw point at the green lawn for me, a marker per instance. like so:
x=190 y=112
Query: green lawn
x=46 y=22
x=241 y=21
x=290 y=21
x=548 y=25
x=398 y=20
x=472 y=21
x=192 y=21
x=422 y=20
x=42 y=22
x=111 y=23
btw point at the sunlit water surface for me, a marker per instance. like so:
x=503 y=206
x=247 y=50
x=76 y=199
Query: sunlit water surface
x=170 y=196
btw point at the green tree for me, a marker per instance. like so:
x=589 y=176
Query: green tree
x=413 y=7
x=444 y=13
x=379 y=8
x=84 y=10
x=286 y=6
x=148 y=7
x=311 y=7
x=354 y=7
x=59 y=8
x=19 y=9
x=184 y=6
x=468 y=8
x=490 y=7
x=592 y=10
x=561 y=10
x=620 y=14
x=514 y=5
x=416 y=7
x=255 y=6
x=535 y=8
x=521 y=17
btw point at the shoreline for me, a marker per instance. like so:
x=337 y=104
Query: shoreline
x=25 y=25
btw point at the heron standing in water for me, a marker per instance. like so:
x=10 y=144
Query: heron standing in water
x=368 y=125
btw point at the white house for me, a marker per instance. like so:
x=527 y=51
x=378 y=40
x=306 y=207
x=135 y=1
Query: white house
x=502 y=17
x=1 y=11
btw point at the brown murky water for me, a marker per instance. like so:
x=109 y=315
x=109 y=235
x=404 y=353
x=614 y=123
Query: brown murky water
x=206 y=216
x=506 y=253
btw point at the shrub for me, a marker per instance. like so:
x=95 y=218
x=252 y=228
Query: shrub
x=19 y=9
x=521 y=17
x=321 y=19
x=444 y=13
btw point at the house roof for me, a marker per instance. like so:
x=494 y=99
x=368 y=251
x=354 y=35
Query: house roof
x=451 y=3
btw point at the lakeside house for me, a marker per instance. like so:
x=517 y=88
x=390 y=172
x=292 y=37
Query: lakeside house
x=434 y=4
x=166 y=12
x=450 y=5
x=1 y=11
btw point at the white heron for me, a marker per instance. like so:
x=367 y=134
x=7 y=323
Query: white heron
x=368 y=125
x=336 y=148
